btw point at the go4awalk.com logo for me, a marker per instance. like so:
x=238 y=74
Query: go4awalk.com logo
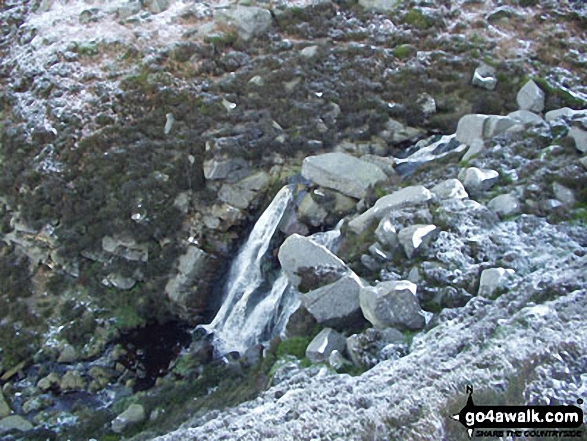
x=518 y=421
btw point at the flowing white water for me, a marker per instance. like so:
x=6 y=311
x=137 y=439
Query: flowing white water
x=251 y=312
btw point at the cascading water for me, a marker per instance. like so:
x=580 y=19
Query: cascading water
x=253 y=312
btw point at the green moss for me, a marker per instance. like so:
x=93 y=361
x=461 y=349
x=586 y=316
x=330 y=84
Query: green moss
x=564 y=96
x=404 y=51
x=295 y=346
x=417 y=19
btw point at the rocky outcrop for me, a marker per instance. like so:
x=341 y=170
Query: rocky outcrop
x=186 y=289
x=126 y=247
x=343 y=173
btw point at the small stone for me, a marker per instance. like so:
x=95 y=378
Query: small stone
x=327 y=341
x=337 y=361
x=531 y=97
x=580 y=137
x=450 y=189
x=257 y=80
x=564 y=194
x=72 y=381
x=484 y=77
x=68 y=354
x=476 y=180
x=134 y=414
x=416 y=237
x=493 y=279
x=309 y=52
x=583 y=161
x=51 y=381
x=386 y=233
x=14 y=422
x=168 y=123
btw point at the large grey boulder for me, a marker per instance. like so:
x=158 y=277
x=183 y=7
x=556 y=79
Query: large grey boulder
x=416 y=237
x=327 y=341
x=134 y=414
x=409 y=196
x=531 y=97
x=450 y=189
x=493 y=279
x=191 y=270
x=580 y=138
x=343 y=173
x=504 y=205
x=18 y=423
x=477 y=180
x=470 y=128
x=335 y=304
x=392 y=304
x=476 y=127
x=249 y=21
x=303 y=260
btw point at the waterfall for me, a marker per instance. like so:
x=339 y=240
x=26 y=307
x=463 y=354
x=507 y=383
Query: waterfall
x=251 y=311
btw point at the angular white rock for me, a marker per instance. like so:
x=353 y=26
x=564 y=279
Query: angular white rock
x=327 y=341
x=475 y=179
x=531 y=97
x=415 y=237
x=299 y=252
